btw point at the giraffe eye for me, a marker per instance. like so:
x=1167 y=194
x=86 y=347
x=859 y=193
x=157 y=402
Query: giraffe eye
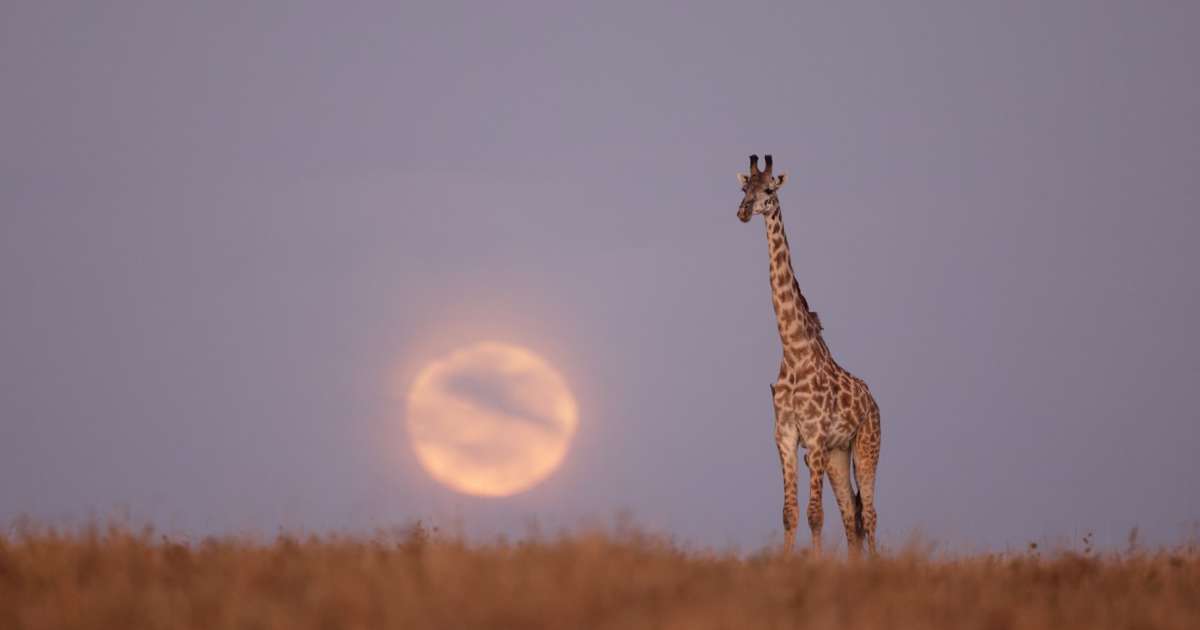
x=768 y=191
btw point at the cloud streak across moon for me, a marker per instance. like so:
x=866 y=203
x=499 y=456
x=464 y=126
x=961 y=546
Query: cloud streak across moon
x=491 y=419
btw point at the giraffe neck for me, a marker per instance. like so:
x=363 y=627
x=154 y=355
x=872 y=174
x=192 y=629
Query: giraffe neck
x=799 y=328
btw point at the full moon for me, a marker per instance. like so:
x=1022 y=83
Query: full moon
x=491 y=419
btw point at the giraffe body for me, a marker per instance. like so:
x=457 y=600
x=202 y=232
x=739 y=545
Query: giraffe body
x=818 y=404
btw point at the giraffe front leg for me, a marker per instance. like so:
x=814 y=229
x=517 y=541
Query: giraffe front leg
x=816 y=460
x=786 y=440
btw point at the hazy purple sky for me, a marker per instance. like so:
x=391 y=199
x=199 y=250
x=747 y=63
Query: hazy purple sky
x=230 y=228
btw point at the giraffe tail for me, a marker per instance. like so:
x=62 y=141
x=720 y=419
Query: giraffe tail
x=859 y=530
x=858 y=521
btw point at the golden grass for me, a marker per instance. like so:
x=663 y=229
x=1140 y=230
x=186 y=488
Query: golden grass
x=116 y=578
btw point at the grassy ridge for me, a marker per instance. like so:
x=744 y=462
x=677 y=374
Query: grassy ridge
x=117 y=578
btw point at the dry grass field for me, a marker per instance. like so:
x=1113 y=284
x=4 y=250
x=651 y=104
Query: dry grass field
x=117 y=578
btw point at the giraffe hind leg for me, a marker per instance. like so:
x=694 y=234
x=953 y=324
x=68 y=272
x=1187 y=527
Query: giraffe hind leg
x=839 y=478
x=865 y=453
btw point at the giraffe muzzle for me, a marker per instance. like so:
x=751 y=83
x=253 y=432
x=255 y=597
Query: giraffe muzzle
x=744 y=214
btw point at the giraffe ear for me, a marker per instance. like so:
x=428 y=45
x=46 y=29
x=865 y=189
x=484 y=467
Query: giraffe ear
x=743 y=179
x=780 y=179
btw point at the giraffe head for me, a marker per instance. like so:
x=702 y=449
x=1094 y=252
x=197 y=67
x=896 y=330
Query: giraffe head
x=760 y=189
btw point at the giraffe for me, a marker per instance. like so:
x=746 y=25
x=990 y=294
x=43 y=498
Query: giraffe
x=818 y=404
